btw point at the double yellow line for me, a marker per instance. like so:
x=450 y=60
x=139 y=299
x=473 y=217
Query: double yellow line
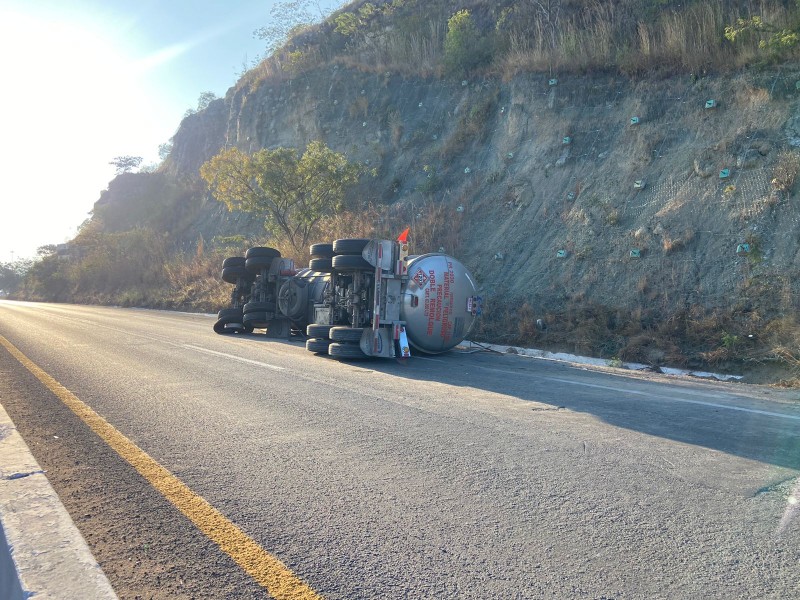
x=267 y=570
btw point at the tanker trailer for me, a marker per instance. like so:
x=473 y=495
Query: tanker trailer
x=360 y=298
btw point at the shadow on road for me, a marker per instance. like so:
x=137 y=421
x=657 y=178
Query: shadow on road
x=724 y=417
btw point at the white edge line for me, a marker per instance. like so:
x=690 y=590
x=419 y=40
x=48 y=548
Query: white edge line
x=683 y=400
x=233 y=357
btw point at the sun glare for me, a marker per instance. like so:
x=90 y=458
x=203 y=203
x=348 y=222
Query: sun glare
x=73 y=101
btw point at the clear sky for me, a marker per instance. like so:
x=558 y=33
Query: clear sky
x=84 y=81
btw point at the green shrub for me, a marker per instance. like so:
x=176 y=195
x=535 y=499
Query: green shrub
x=432 y=182
x=464 y=47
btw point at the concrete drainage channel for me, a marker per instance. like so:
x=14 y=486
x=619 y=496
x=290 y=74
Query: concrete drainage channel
x=42 y=554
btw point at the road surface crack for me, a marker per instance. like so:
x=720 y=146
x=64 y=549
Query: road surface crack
x=781 y=487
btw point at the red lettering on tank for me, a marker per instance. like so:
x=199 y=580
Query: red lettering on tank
x=446 y=324
x=439 y=303
x=445 y=299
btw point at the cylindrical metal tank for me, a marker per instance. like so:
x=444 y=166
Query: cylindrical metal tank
x=440 y=303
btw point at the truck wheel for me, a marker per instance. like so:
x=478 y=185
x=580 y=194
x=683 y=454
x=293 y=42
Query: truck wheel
x=230 y=313
x=349 y=262
x=318 y=331
x=232 y=274
x=262 y=251
x=233 y=261
x=231 y=325
x=258 y=307
x=349 y=246
x=318 y=346
x=346 y=334
x=321 y=250
x=254 y=264
x=346 y=351
x=323 y=265
x=258 y=320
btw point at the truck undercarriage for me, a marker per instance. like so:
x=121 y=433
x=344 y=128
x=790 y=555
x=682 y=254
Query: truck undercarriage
x=357 y=298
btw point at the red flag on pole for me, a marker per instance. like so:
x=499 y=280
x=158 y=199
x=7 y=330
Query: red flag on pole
x=403 y=237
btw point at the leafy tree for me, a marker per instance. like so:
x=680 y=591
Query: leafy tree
x=205 y=99
x=464 y=47
x=12 y=274
x=126 y=164
x=8 y=278
x=287 y=17
x=776 y=41
x=348 y=23
x=46 y=279
x=293 y=191
x=164 y=150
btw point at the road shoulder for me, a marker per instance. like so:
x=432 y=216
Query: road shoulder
x=43 y=553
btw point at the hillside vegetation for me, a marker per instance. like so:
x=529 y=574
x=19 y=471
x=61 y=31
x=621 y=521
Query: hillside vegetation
x=431 y=38
x=625 y=171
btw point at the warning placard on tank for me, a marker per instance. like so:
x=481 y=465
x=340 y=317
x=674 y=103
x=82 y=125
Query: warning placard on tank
x=420 y=278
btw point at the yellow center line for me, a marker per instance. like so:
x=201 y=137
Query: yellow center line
x=267 y=570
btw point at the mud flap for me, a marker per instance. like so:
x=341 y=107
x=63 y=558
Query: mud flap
x=403 y=349
x=279 y=329
x=377 y=343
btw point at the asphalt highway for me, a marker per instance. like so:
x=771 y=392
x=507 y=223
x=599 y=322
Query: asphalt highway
x=464 y=475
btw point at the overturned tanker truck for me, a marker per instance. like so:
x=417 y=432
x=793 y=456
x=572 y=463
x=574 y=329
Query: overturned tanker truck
x=358 y=298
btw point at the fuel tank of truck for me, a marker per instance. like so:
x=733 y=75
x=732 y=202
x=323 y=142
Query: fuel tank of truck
x=440 y=303
x=298 y=295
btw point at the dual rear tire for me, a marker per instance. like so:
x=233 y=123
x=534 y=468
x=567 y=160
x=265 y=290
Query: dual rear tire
x=346 y=351
x=342 y=255
x=260 y=258
x=338 y=342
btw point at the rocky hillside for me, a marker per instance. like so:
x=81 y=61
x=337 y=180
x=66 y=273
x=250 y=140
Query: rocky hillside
x=649 y=216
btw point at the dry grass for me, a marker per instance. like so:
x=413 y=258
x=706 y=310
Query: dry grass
x=755 y=208
x=438 y=225
x=395 y=123
x=786 y=170
x=693 y=338
x=194 y=284
x=359 y=108
x=590 y=36
x=679 y=242
x=472 y=125
x=627 y=37
x=412 y=53
x=597 y=38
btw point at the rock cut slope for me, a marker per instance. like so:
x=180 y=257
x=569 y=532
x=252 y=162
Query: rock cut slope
x=652 y=218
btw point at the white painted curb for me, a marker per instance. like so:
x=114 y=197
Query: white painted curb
x=596 y=362
x=42 y=553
